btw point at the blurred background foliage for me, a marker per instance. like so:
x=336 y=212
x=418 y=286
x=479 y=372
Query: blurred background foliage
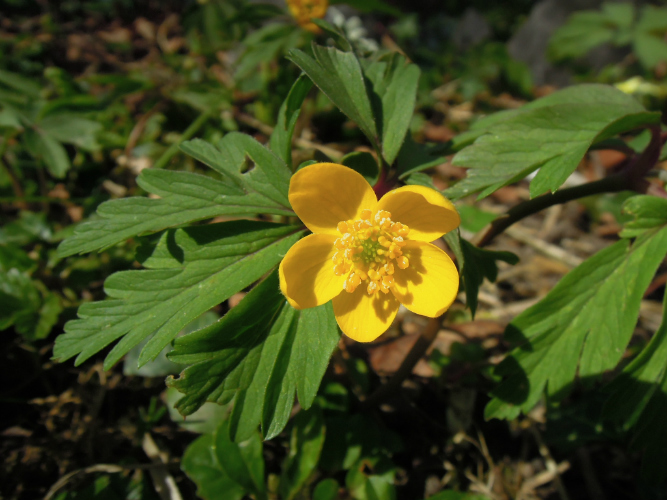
x=93 y=92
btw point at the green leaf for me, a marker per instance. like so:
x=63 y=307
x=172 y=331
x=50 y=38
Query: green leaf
x=70 y=129
x=50 y=151
x=638 y=400
x=48 y=315
x=204 y=421
x=281 y=138
x=414 y=157
x=186 y=197
x=326 y=490
x=552 y=134
x=364 y=163
x=12 y=256
x=571 y=331
x=201 y=465
x=378 y=485
x=21 y=84
x=304 y=452
x=649 y=212
x=352 y=438
x=582 y=32
x=652 y=20
x=474 y=219
x=651 y=50
x=479 y=264
x=161 y=366
x=19 y=301
x=259 y=354
x=395 y=88
x=199 y=267
x=243 y=461
x=340 y=77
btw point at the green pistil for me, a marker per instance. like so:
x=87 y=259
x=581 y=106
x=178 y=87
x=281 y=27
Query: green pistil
x=369 y=254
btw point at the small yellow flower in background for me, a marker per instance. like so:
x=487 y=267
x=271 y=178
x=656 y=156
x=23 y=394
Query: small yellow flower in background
x=368 y=256
x=305 y=10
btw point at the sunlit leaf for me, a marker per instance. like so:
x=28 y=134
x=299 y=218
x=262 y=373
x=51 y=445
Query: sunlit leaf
x=582 y=327
x=551 y=134
x=190 y=271
x=186 y=197
x=340 y=77
x=395 y=88
x=281 y=138
x=259 y=354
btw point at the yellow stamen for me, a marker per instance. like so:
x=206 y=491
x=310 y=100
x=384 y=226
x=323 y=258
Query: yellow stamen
x=368 y=251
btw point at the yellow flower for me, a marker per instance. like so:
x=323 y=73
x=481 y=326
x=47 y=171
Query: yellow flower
x=368 y=256
x=305 y=10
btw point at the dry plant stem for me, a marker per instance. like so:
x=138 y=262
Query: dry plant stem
x=418 y=350
x=630 y=178
x=163 y=481
x=550 y=463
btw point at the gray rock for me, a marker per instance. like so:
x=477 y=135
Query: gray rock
x=471 y=29
x=530 y=42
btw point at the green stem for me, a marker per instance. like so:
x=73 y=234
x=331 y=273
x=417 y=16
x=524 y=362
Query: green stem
x=189 y=132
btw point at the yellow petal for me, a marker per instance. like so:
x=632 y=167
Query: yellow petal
x=364 y=317
x=324 y=194
x=430 y=284
x=426 y=212
x=306 y=272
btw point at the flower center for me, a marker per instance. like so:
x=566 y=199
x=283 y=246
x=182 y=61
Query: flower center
x=368 y=250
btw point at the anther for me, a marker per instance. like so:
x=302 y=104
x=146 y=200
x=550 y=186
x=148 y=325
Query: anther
x=366 y=214
x=403 y=262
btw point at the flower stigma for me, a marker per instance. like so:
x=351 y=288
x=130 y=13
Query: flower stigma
x=368 y=251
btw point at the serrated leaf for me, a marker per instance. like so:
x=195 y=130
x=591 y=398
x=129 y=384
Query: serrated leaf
x=304 y=452
x=553 y=137
x=340 y=77
x=200 y=267
x=259 y=355
x=281 y=138
x=395 y=88
x=581 y=327
x=186 y=197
